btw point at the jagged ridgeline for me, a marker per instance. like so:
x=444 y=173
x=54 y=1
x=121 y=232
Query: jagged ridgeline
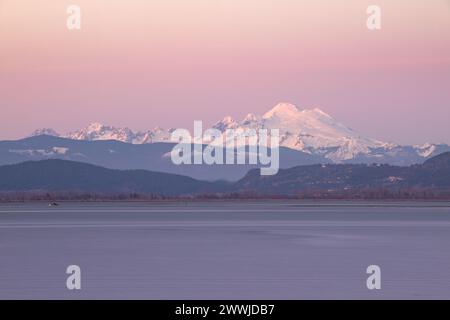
x=310 y=131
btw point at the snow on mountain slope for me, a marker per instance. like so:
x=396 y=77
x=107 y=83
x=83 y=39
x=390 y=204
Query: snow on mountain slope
x=98 y=131
x=314 y=129
x=308 y=130
x=159 y=135
x=426 y=149
x=46 y=131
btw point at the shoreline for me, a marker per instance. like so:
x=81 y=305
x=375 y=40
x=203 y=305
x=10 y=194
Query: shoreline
x=290 y=201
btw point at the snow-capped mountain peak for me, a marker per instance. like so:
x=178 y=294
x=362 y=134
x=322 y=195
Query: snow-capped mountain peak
x=227 y=123
x=98 y=131
x=95 y=126
x=46 y=131
x=251 y=117
x=290 y=111
x=309 y=130
x=282 y=109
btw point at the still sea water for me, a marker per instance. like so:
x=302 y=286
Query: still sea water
x=225 y=250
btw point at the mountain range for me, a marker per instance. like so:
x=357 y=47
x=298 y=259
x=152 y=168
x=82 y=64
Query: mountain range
x=309 y=131
x=432 y=177
x=114 y=154
x=317 y=154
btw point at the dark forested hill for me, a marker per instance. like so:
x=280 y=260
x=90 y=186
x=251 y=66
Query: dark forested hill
x=433 y=174
x=62 y=175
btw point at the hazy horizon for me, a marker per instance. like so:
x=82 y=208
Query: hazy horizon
x=141 y=64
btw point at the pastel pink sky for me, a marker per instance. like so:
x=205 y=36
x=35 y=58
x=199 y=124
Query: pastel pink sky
x=142 y=63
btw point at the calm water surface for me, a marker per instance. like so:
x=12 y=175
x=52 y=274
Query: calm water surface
x=225 y=250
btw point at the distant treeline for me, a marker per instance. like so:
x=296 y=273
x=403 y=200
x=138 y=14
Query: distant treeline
x=361 y=194
x=53 y=180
